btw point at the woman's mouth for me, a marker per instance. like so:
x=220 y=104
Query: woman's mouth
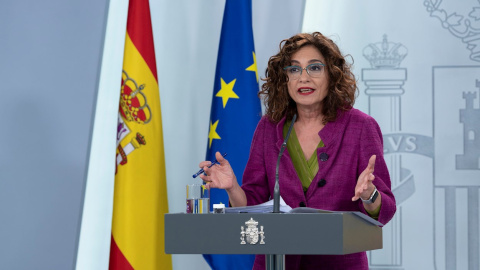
x=305 y=90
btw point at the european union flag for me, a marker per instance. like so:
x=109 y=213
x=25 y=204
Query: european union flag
x=235 y=107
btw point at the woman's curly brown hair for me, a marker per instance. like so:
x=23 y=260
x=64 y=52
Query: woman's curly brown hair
x=342 y=88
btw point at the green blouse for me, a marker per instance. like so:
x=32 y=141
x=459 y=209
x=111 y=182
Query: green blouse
x=307 y=169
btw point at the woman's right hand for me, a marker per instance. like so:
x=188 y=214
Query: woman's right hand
x=219 y=175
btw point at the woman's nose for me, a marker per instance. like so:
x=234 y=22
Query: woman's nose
x=304 y=76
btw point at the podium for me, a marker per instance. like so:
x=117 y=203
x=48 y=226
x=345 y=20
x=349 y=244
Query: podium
x=273 y=234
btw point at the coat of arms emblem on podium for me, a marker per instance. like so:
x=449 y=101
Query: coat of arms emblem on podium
x=251 y=234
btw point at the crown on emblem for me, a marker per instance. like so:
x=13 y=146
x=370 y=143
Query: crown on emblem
x=251 y=222
x=385 y=54
x=133 y=102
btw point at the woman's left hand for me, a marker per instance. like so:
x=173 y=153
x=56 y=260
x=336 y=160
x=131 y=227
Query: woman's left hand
x=365 y=187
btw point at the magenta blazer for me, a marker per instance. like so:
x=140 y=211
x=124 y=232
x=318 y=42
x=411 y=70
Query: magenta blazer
x=349 y=141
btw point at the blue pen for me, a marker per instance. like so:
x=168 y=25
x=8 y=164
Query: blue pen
x=202 y=171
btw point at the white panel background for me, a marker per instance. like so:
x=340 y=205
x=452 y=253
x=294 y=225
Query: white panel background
x=356 y=24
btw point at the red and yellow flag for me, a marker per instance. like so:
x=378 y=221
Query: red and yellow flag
x=140 y=199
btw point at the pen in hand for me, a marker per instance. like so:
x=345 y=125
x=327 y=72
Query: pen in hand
x=213 y=163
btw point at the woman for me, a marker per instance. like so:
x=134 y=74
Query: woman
x=334 y=158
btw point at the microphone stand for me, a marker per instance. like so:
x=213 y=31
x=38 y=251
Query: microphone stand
x=277 y=261
x=276 y=189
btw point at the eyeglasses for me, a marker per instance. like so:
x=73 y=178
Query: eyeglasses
x=314 y=70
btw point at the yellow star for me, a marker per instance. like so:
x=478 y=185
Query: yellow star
x=226 y=91
x=212 y=133
x=253 y=67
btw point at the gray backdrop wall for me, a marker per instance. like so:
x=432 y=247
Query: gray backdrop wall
x=49 y=64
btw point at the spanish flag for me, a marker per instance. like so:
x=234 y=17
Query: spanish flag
x=140 y=196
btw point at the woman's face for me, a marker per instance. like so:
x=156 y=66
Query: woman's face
x=308 y=90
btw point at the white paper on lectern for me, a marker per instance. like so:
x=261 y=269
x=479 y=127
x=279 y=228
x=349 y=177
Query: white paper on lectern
x=266 y=207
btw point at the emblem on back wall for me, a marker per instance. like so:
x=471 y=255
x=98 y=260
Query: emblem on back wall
x=456 y=167
x=384 y=87
x=464 y=26
x=470 y=117
x=251 y=235
x=456 y=118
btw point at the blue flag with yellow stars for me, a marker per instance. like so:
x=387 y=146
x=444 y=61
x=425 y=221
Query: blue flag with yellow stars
x=235 y=108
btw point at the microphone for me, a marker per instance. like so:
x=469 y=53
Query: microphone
x=276 y=189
